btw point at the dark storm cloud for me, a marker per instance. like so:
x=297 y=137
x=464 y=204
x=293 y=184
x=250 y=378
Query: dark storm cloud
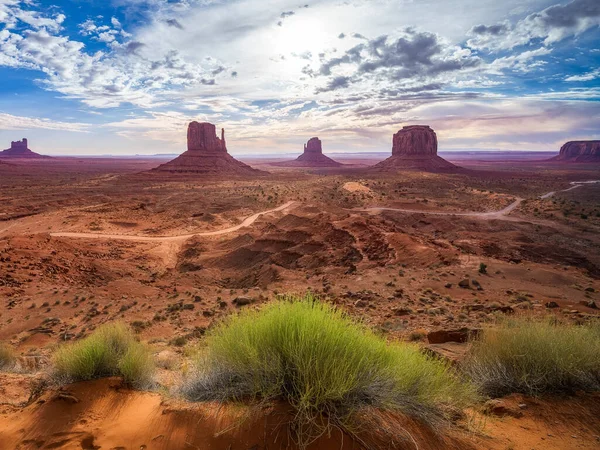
x=335 y=83
x=494 y=30
x=570 y=14
x=174 y=23
x=413 y=55
x=133 y=46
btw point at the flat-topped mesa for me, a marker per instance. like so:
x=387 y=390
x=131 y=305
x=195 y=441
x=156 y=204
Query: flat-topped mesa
x=579 y=151
x=415 y=148
x=206 y=154
x=20 y=149
x=415 y=140
x=312 y=157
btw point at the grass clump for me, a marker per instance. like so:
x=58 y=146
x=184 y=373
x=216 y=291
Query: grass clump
x=8 y=357
x=535 y=357
x=323 y=364
x=111 y=350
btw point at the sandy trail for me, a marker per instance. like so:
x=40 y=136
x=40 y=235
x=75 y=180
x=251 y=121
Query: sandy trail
x=481 y=215
x=126 y=237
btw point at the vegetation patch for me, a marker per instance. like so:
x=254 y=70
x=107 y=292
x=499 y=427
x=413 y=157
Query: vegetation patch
x=535 y=357
x=111 y=350
x=324 y=364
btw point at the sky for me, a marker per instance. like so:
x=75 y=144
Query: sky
x=123 y=77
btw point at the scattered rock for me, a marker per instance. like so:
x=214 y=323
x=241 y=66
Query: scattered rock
x=242 y=301
x=461 y=335
x=465 y=284
x=552 y=305
x=498 y=407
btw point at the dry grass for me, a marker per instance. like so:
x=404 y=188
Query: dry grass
x=325 y=365
x=111 y=350
x=535 y=357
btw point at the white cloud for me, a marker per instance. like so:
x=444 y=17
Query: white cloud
x=10 y=122
x=594 y=74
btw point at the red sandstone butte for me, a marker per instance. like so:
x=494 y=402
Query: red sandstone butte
x=415 y=148
x=206 y=154
x=579 y=151
x=312 y=157
x=20 y=149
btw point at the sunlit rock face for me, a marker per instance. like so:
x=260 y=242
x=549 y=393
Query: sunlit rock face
x=415 y=148
x=415 y=140
x=202 y=137
x=579 y=151
x=20 y=149
x=207 y=154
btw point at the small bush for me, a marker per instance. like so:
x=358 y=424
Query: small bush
x=482 y=268
x=7 y=357
x=111 y=350
x=315 y=357
x=535 y=357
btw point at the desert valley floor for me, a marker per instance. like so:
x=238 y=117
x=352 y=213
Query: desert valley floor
x=86 y=241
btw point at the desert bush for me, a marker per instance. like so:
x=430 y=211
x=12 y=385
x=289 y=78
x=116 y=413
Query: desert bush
x=111 y=350
x=535 y=357
x=321 y=362
x=7 y=357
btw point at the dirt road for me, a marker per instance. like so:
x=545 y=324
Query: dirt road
x=126 y=237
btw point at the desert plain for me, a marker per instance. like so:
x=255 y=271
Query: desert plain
x=86 y=241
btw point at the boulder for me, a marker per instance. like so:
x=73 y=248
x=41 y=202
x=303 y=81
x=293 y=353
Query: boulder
x=207 y=154
x=579 y=151
x=415 y=148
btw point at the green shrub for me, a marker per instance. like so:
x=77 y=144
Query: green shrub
x=482 y=268
x=535 y=357
x=315 y=357
x=111 y=350
x=7 y=357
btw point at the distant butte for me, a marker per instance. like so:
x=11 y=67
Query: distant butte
x=312 y=157
x=19 y=149
x=579 y=152
x=415 y=148
x=206 y=154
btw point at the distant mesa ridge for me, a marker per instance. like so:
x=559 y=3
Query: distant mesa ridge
x=579 y=151
x=206 y=154
x=311 y=157
x=415 y=147
x=20 y=149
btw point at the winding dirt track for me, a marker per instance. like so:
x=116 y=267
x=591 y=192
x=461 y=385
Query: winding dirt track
x=125 y=237
x=250 y=220
x=481 y=215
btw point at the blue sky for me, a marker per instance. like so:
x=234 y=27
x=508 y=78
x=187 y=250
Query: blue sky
x=126 y=76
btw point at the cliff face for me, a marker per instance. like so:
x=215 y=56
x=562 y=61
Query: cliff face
x=415 y=148
x=415 y=140
x=579 y=151
x=206 y=154
x=202 y=137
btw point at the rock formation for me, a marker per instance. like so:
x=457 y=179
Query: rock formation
x=312 y=157
x=415 y=147
x=579 y=151
x=206 y=154
x=19 y=149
